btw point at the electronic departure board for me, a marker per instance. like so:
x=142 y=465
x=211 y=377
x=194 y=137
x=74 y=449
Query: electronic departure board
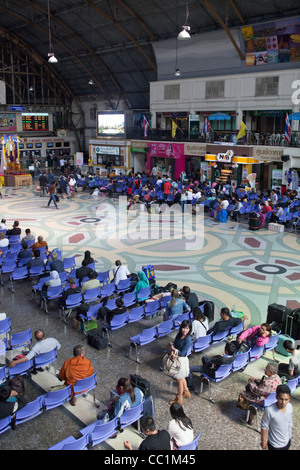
x=35 y=122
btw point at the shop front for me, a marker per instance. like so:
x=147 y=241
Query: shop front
x=195 y=165
x=227 y=167
x=168 y=157
x=109 y=158
x=138 y=156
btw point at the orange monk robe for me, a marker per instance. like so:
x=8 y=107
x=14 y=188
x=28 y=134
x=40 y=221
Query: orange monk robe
x=75 y=368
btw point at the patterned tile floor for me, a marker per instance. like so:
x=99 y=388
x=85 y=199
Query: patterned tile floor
x=225 y=263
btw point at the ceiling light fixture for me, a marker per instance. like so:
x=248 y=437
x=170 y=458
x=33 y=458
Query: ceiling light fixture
x=51 y=56
x=91 y=82
x=177 y=73
x=184 y=34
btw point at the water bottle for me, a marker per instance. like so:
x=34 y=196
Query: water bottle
x=232 y=313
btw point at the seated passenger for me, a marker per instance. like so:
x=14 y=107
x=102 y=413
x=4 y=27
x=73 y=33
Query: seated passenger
x=108 y=315
x=254 y=336
x=180 y=427
x=292 y=369
x=75 y=368
x=225 y=323
x=175 y=306
x=258 y=389
x=199 y=324
x=56 y=263
x=142 y=283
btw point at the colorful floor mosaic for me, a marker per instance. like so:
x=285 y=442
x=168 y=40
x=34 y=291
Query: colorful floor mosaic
x=225 y=263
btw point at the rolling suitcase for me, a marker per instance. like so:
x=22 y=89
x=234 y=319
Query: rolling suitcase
x=292 y=324
x=253 y=221
x=208 y=309
x=278 y=314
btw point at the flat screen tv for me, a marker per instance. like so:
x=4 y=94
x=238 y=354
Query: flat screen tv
x=110 y=124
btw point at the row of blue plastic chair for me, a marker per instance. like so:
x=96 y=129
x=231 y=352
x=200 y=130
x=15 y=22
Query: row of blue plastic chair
x=293 y=384
x=50 y=400
x=98 y=432
x=241 y=361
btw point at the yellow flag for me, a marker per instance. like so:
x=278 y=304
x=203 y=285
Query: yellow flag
x=174 y=127
x=242 y=131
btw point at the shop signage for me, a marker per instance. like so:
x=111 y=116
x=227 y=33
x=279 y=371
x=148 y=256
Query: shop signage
x=225 y=157
x=195 y=149
x=268 y=154
x=108 y=150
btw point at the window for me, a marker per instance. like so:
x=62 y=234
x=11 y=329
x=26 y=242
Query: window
x=214 y=89
x=266 y=86
x=172 y=92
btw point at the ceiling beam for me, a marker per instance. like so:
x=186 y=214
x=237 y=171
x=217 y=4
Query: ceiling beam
x=124 y=31
x=237 y=11
x=226 y=29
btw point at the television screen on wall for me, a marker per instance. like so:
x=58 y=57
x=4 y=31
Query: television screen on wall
x=110 y=124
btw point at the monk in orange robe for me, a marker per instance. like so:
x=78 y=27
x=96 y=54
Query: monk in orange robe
x=76 y=368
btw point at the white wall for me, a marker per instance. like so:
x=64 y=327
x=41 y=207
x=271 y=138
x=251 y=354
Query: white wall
x=239 y=94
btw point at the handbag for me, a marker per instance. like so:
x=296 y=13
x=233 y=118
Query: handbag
x=171 y=364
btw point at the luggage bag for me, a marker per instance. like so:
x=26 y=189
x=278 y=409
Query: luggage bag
x=208 y=310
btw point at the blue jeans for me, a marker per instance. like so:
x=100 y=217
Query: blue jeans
x=52 y=198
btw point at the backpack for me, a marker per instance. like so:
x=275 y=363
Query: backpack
x=149 y=271
x=96 y=341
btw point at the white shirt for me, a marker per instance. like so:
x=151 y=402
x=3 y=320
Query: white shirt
x=179 y=433
x=199 y=328
x=43 y=346
x=224 y=204
x=4 y=242
x=121 y=273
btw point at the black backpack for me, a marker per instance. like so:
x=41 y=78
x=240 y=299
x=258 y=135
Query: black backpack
x=96 y=340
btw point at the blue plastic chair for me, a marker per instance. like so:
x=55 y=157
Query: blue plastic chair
x=20 y=369
x=192 y=446
x=52 y=293
x=270 y=400
x=130 y=416
x=151 y=308
x=118 y=321
x=219 y=336
x=72 y=301
x=129 y=299
x=203 y=342
x=21 y=340
x=143 y=294
x=90 y=295
x=220 y=374
x=31 y=410
x=83 y=386
x=5 y=326
x=55 y=398
x=7 y=268
x=45 y=359
x=98 y=432
x=70 y=443
x=36 y=271
x=17 y=275
x=103 y=277
x=240 y=362
x=107 y=290
x=145 y=337
x=5 y=424
x=135 y=314
x=69 y=263
x=123 y=285
x=256 y=352
x=165 y=328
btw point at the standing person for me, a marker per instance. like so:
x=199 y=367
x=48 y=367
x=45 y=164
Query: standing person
x=52 y=192
x=179 y=349
x=277 y=422
x=43 y=180
x=62 y=165
x=72 y=186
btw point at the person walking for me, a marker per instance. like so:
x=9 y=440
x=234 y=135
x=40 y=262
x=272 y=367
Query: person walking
x=277 y=422
x=52 y=193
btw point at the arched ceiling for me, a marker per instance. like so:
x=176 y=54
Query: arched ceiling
x=110 y=41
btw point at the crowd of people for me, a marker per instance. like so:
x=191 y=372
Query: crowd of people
x=276 y=419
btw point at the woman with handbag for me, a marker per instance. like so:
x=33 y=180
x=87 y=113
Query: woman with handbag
x=179 y=350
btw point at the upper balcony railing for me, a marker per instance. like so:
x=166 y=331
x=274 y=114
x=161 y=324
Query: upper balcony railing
x=251 y=137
